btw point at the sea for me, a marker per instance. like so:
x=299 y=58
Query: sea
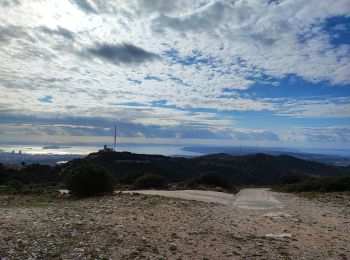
x=168 y=150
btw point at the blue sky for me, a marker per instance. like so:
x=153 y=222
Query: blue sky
x=258 y=72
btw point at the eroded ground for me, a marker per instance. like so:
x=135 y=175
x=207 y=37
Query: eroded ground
x=127 y=226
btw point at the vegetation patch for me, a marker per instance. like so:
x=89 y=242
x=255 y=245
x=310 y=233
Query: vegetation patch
x=89 y=180
x=148 y=181
x=314 y=184
x=211 y=180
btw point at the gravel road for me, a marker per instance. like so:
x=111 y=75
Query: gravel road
x=256 y=199
x=198 y=195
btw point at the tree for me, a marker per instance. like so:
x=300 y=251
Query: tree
x=89 y=180
x=214 y=180
x=147 y=181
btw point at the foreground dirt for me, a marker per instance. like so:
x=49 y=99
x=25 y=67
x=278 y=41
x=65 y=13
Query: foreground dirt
x=127 y=226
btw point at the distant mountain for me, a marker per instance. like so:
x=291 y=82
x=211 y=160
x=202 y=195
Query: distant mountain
x=333 y=158
x=260 y=169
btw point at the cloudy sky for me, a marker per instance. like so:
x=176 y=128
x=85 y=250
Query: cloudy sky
x=265 y=72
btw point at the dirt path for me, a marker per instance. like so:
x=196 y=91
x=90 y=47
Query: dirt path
x=256 y=199
x=198 y=195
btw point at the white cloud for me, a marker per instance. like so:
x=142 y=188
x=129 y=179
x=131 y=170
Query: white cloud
x=51 y=129
x=206 y=47
x=333 y=134
x=257 y=135
x=328 y=108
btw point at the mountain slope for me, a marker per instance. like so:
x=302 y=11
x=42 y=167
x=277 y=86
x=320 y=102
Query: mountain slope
x=259 y=169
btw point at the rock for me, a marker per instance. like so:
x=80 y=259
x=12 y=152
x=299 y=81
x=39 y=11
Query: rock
x=277 y=215
x=172 y=247
x=78 y=252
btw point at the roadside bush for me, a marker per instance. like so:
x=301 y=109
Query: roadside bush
x=89 y=180
x=338 y=184
x=15 y=187
x=320 y=184
x=212 y=180
x=7 y=190
x=15 y=184
x=148 y=181
x=3 y=175
x=130 y=178
x=292 y=178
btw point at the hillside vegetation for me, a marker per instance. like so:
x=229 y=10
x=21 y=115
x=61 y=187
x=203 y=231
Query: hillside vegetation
x=257 y=169
x=304 y=183
x=133 y=171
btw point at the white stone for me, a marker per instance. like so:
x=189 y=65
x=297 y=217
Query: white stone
x=278 y=235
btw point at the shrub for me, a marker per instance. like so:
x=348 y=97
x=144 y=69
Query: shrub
x=130 y=178
x=3 y=174
x=214 y=179
x=321 y=184
x=89 y=180
x=210 y=179
x=15 y=184
x=147 y=181
x=291 y=178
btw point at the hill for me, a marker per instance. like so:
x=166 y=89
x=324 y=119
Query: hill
x=258 y=169
x=334 y=157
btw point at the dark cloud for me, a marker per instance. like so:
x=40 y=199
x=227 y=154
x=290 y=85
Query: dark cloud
x=153 y=6
x=60 y=31
x=8 y=3
x=263 y=39
x=124 y=53
x=9 y=32
x=85 y=6
x=90 y=126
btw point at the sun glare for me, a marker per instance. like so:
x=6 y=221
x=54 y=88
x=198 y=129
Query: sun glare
x=62 y=14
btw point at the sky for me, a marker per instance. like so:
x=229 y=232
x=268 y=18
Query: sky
x=244 y=72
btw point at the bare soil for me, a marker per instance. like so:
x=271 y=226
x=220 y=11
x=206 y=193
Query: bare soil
x=125 y=226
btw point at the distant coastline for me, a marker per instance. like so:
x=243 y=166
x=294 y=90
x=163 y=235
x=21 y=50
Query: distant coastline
x=53 y=153
x=56 y=147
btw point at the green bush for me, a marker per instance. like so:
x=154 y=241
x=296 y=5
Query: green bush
x=148 y=181
x=321 y=184
x=3 y=175
x=15 y=184
x=292 y=178
x=211 y=180
x=89 y=180
x=130 y=178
